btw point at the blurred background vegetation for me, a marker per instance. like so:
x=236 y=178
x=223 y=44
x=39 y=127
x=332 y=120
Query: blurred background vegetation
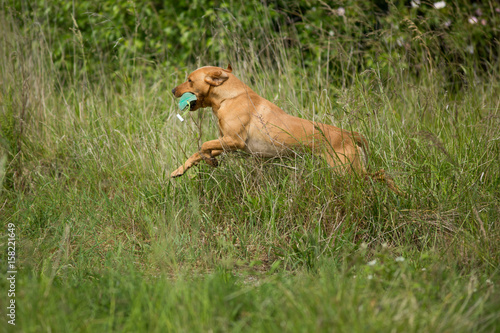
x=419 y=36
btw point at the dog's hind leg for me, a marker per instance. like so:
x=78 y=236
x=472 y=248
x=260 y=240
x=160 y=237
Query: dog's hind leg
x=339 y=162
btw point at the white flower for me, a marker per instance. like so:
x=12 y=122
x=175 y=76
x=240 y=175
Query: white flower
x=370 y=277
x=473 y=20
x=400 y=259
x=341 y=11
x=439 y=4
x=415 y=3
x=470 y=49
x=372 y=263
x=447 y=23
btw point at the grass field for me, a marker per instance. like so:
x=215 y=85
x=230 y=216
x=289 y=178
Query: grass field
x=105 y=241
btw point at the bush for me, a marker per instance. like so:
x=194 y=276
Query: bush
x=341 y=37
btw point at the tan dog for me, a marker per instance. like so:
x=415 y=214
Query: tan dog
x=253 y=124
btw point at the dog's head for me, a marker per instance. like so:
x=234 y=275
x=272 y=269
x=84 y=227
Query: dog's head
x=202 y=83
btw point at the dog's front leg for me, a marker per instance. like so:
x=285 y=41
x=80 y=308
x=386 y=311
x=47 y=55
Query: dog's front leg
x=192 y=161
x=211 y=160
x=209 y=150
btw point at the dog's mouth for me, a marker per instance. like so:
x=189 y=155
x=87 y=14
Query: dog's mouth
x=188 y=101
x=195 y=105
x=192 y=105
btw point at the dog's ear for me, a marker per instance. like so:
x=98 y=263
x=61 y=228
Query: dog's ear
x=216 y=78
x=229 y=68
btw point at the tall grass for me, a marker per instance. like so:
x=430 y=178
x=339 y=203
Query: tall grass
x=106 y=241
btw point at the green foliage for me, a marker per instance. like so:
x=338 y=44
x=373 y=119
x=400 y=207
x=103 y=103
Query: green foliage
x=344 y=37
x=107 y=242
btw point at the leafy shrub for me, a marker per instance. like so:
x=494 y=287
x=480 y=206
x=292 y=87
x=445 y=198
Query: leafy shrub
x=341 y=37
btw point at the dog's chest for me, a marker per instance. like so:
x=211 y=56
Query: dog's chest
x=257 y=145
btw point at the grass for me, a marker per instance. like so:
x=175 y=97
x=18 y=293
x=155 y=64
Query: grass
x=387 y=296
x=107 y=242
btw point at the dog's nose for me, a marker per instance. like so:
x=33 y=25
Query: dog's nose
x=173 y=91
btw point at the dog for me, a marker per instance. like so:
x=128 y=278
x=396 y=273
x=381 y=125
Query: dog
x=255 y=125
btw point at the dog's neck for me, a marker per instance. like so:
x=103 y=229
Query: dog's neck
x=219 y=94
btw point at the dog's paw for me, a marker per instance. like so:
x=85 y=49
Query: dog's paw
x=177 y=173
x=212 y=162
